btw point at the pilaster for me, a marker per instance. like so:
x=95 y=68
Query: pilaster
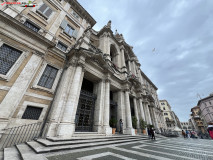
x=99 y=108
x=107 y=128
x=67 y=126
x=129 y=129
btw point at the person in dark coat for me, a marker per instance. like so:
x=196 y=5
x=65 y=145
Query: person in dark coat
x=152 y=133
x=149 y=133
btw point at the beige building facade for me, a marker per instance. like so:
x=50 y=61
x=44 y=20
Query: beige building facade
x=170 y=118
x=55 y=69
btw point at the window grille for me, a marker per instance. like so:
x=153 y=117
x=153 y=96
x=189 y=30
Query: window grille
x=31 y=26
x=32 y=113
x=45 y=10
x=48 y=77
x=8 y=56
x=62 y=46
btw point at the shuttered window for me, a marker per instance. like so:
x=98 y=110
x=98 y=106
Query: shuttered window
x=8 y=57
x=68 y=29
x=45 y=10
x=32 y=113
x=48 y=77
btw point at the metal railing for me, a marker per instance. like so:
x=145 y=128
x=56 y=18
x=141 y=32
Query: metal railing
x=20 y=134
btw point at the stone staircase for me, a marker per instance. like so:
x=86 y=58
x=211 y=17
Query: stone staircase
x=33 y=150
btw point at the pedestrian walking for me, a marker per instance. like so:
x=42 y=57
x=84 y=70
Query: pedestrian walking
x=152 y=133
x=121 y=126
x=149 y=133
x=183 y=134
x=187 y=134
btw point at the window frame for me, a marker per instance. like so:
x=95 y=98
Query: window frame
x=41 y=71
x=33 y=104
x=63 y=45
x=18 y=62
x=42 y=13
x=27 y=21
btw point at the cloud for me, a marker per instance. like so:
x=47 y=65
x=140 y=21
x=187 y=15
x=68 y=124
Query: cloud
x=179 y=30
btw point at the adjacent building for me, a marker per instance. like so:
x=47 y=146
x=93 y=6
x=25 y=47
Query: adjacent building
x=170 y=118
x=196 y=120
x=187 y=126
x=206 y=109
x=56 y=70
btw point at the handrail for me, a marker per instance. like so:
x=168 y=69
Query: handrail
x=20 y=134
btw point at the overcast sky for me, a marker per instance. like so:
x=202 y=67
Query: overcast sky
x=181 y=31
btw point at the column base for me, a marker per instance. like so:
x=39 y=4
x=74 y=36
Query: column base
x=107 y=130
x=98 y=129
x=129 y=131
x=51 y=129
x=65 y=130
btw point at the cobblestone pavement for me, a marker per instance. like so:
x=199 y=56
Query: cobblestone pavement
x=161 y=149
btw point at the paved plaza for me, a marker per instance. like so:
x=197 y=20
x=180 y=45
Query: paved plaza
x=161 y=149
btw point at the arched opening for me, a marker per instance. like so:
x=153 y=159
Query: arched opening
x=113 y=53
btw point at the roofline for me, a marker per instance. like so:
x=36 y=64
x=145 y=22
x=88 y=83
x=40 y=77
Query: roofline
x=80 y=9
x=204 y=99
x=148 y=79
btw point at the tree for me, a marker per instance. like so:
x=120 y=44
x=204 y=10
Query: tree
x=143 y=124
x=134 y=122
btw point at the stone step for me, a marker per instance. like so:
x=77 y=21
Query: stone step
x=48 y=143
x=27 y=153
x=55 y=139
x=39 y=148
x=82 y=134
x=11 y=154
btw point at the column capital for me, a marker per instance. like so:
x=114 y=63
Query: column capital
x=107 y=80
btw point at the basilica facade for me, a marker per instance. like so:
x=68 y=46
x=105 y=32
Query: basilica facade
x=57 y=70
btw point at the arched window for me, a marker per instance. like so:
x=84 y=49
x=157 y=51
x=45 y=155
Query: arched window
x=113 y=53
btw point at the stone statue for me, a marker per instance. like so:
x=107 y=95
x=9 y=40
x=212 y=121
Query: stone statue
x=109 y=24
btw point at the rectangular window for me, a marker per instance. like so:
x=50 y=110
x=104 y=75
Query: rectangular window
x=61 y=46
x=45 y=10
x=164 y=108
x=69 y=30
x=162 y=103
x=31 y=26
x=48 y=77
x=75 y=15
x=165 y=113
x=32 y=113
x=8 y=56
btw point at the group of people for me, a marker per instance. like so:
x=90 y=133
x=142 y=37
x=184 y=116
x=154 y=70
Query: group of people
x=189 y=134
x=151 y=133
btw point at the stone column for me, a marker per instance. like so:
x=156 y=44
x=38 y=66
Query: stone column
x=136 y=111
x=130 y=67
x=107 y=128
x=99 y=108
x=133 y=68
x=67 y=126
x=121 y=110
x=142 y=110
x=123 y=64
x=148 y=116
x=155 y=119
x=59 y=101
x=129 y=129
